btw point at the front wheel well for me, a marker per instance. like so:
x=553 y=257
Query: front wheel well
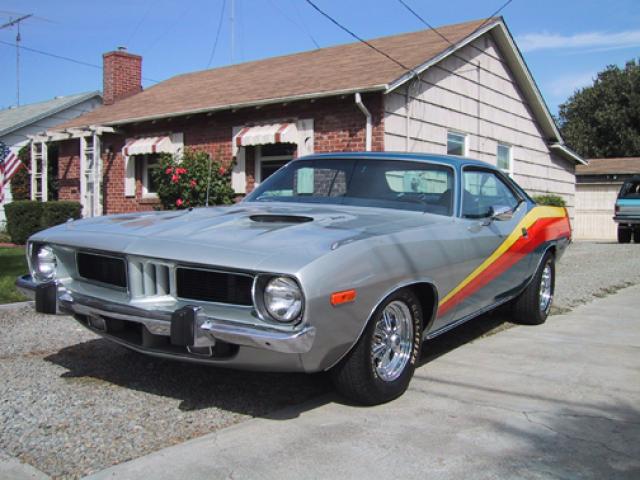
x=428 y=297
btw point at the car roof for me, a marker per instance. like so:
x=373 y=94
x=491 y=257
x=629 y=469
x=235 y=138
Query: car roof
x=454 y=161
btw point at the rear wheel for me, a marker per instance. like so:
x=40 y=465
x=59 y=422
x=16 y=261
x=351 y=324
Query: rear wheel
x=624 y=235
x=534 y=303
x=380 y=366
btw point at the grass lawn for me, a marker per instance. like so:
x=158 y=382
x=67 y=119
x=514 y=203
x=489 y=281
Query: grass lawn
x=12 y=264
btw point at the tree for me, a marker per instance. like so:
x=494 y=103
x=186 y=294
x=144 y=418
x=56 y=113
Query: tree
x=603 y=120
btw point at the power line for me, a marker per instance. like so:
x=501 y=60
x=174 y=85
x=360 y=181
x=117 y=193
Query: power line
x=360 y=39
x=301 y=27
x=150 y=5
x=215 y=43
x=60 y=57
x=490 y=17
x=415 y=14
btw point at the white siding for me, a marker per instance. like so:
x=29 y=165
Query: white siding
x=594 y=211
x=20 y=137
x=474 y=92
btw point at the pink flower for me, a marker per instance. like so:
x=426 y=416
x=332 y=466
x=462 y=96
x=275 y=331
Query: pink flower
x=222 y=171
x=180 y=171
x=175 y=178
x=168 y=171
x=193 y=183
x=179 y=202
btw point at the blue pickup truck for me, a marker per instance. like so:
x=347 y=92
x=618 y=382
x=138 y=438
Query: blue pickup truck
x=627 y=211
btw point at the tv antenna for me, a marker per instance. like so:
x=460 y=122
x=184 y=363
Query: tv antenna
x=11 y=23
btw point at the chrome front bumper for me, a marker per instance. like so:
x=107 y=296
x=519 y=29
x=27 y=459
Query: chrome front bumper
x=54 y=298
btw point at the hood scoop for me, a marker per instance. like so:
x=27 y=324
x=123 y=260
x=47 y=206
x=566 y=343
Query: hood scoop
x=280 y=219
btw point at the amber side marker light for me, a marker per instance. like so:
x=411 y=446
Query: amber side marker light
x=346 y=296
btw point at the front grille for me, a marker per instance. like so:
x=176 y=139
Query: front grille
x=103 y=269
x=149 y=278
x=212 y=286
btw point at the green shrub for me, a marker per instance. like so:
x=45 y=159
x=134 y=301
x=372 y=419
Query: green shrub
x=550 y=200
x=26 y=217
x=182 y=183
x=55 y=213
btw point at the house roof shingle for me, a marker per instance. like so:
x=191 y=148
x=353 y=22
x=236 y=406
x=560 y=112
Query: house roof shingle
x=12 y=119
x=608 y=166
x=343 y=68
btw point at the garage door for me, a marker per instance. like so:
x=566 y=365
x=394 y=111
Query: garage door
x=594 y=211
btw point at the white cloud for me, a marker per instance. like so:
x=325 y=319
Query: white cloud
x=545 y=41
x=565 y=85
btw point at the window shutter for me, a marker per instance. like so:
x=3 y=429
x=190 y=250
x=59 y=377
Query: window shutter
x=238 y=174
x=129 y=176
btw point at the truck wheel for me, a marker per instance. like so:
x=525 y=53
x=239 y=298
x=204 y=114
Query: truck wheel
x=380 y=366
x=636 y=235
x=624 y=235
x=532 y=306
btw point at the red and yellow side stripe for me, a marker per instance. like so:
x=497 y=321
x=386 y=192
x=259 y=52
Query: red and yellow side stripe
x=542 y=224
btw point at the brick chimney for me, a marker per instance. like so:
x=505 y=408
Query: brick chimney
x=121 y=75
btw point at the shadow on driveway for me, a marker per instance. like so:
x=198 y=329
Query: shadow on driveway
x=251 y=393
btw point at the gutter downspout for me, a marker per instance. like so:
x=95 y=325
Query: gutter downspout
x=367 y=115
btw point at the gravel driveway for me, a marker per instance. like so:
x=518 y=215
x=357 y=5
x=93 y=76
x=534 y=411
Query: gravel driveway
x=72 y=403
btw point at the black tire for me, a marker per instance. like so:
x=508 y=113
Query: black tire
x=527 y=308
x=624 y=235
x=636 y=235
x=356 y=376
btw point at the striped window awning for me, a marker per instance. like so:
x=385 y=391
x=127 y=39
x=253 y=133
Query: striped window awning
x=145 y=145
x=264 y=134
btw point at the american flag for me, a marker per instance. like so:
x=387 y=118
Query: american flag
x=9 y=164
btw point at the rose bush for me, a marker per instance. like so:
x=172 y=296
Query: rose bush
x=182 y=183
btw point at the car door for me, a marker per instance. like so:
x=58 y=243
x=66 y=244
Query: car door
x=485 y=193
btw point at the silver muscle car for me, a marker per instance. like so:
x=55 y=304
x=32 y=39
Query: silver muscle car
x=338 y=262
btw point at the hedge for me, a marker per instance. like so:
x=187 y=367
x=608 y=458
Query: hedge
x=26 y=217
x=550 y=200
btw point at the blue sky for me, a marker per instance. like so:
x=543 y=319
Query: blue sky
x=565 y=43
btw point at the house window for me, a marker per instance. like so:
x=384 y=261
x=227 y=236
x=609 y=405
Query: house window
x=504 y=158
x=456 y=144
x=150 y=164
x=270 y=157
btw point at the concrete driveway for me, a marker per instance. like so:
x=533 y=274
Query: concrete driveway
x=556 y=401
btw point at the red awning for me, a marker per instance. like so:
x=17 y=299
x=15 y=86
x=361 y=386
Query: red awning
x=263 y=134
x=144 y=145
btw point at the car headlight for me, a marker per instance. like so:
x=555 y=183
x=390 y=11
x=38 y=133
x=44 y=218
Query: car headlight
x=283 y=299
x=44 y=262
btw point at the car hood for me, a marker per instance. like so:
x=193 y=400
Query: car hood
x=243 y=236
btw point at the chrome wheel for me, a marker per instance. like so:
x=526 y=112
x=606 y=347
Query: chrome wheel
x=546 y=293
x=392 y=341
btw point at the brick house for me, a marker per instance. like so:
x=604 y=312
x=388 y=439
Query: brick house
x=471 y=95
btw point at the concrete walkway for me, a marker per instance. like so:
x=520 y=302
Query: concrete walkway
x=556 y=401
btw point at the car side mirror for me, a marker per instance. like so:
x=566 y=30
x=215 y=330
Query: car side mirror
x=501 y=213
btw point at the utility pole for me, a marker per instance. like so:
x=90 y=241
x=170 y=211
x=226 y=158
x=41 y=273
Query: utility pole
x=233 y=32
x=11 y=23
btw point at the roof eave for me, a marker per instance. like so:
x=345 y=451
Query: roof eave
x=567 y=153
x=48 y=113
x=257 y=103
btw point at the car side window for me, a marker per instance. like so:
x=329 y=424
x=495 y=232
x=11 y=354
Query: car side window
x=483 y=190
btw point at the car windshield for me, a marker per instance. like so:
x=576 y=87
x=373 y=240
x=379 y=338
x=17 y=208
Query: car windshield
x=630 y=189
x=404 y=185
